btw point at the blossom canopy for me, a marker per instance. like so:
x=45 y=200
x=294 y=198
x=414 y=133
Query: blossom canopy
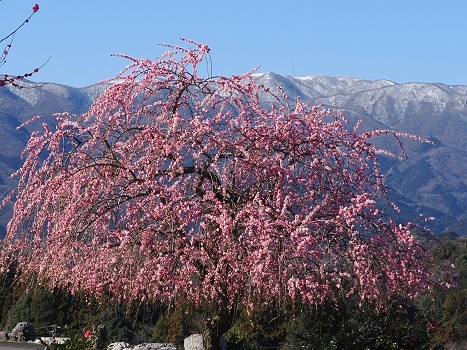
x=212 y=189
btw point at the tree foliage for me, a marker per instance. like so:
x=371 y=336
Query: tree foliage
x=208 y=189
x=450 y=306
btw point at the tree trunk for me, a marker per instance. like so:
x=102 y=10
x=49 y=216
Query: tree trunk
x=216 y=329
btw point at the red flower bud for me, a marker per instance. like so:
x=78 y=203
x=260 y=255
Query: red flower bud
x=36 y=70
x=35 y=8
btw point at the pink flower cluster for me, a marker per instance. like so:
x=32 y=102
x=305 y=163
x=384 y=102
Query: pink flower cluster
x=175 y=185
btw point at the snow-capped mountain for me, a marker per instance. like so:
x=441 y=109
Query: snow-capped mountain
x=431 y=181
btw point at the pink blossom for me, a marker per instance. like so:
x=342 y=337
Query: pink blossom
x=177 y=185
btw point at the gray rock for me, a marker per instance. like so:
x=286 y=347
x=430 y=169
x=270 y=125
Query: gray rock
x=194 y=342
x=155 y=346
x=144 y=346
x=4 y=336
x=119 y=346
x=23 y=332
x=50 y=340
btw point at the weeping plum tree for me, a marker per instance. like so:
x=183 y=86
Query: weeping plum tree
x=211 y=190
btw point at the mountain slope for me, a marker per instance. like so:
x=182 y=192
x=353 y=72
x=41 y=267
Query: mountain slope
x=433 y=176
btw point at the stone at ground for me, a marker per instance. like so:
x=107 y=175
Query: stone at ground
x=194 y=342
x=23 y=332
x=119 y=346
x=145 y=346
x=4 y=336
x=456 y=346
x=155 y=346
x=56 y=340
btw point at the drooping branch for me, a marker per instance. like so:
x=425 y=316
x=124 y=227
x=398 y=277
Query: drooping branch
x=14 y=80
x=199 y=188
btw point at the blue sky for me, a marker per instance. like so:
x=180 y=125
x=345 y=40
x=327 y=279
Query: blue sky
x=399 y=40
